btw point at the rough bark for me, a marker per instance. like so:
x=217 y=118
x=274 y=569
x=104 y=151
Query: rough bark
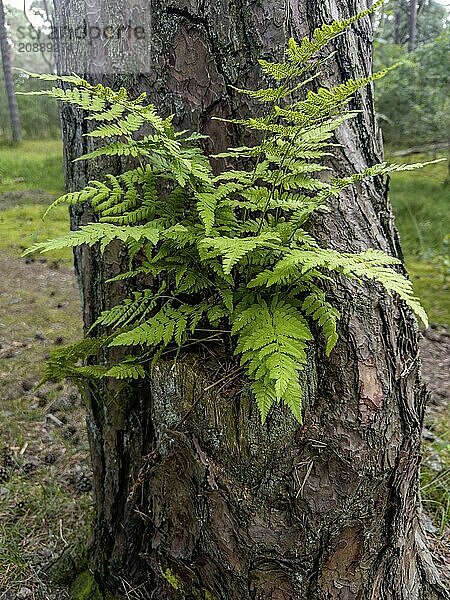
x=5 y=51
x=194 y=497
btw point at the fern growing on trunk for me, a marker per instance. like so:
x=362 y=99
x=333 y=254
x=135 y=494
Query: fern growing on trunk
x=227 y=255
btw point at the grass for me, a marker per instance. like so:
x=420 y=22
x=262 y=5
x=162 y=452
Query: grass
x=39 y=510
x=32 y=165
x=27 y=219
x=435 y=472
x=432 y=286
x=421 y=201
x=421 y=204
x=30 y=178
x=33 y=521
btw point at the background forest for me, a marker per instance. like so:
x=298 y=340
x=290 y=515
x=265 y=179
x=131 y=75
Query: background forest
x=44 y=471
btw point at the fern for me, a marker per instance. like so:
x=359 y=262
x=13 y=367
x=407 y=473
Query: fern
x=164 y=326
x=298 y=55
x=316 y=307
x=97 y=232
x=130 y=310
x=125 y=370
x=223 y=257
x=272 y=342
x=234 y=249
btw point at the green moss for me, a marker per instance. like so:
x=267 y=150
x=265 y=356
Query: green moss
x=172 y=579
x=85 y=588
x=176 y=582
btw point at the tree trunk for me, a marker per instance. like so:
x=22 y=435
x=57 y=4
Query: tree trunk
x=412 y=25
x=398 y=24
x=194 y=497
x=9 y=82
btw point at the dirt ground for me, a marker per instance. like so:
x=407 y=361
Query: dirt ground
x=45 y=480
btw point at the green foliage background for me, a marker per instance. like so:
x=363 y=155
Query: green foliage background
x=413 y=101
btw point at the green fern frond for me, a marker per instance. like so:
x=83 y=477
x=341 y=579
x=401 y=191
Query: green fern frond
x=114 y=112
x=293 y=181
x=168 y=324
x=379 y=169
x=265 y=398
x=299 y=55
x=83 y=98
x=130 y=310
x=233 y=250
x=84 y=195
x=88 y=372
x=63 y=362
x=72 y=79
x=206 y=207
x=325 y=101
x=128 y=148
x=272 y=340
x=273 y=95
x=125 y=370
x=159 y=329
x=281 y=71
x=316 y=306
x=370 y=264
x=93 y=233
x=131 y=123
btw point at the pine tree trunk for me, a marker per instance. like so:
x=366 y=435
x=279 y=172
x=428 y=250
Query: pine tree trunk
x=194 y=497
x=8 y=76
x=412 y=25
x=398 y=38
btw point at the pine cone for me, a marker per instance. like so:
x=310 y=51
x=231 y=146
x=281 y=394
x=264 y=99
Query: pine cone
x=7 y=458
x=4 y=474
x=50 y=458
x=69 y=431
x=30 y=466
x=83 y=484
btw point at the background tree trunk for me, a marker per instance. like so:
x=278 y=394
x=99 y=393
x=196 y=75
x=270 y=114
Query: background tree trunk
x=412 y=25
x=398 y=24
x=9 y=82
x=194 y=497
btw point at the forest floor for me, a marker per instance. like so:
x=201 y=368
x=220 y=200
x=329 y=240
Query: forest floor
x=45 y=479
x=44 y=470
